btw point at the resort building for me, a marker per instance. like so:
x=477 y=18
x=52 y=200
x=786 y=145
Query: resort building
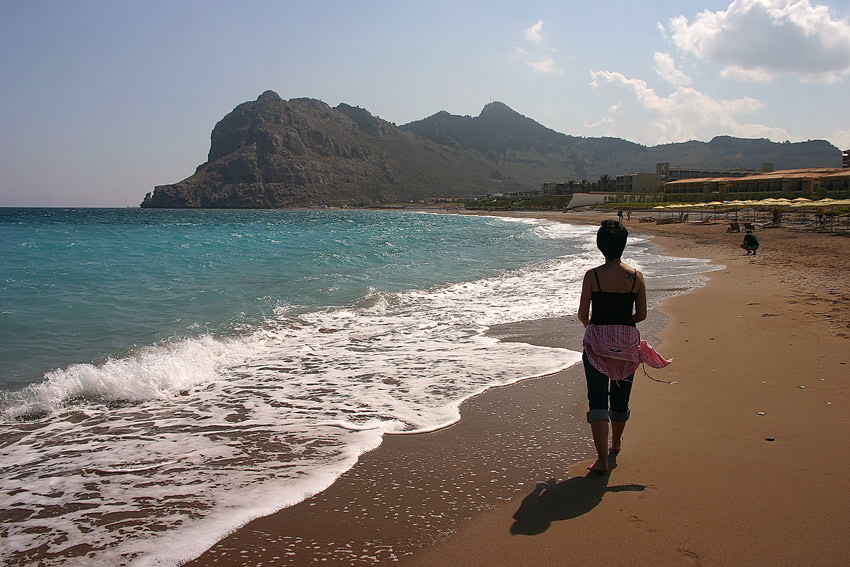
x=668 y=173
x=569 y=188
x=652 y=182
x=638 y=183
x=678 y=180
x=784 y=181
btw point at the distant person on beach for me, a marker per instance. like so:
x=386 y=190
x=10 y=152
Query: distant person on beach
x=613 y=301
x=628 y=215
x=620 y=215
x=750 y=243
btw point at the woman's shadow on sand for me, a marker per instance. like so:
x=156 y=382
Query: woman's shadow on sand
x=553 y=501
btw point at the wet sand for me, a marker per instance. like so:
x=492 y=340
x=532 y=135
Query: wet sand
x=743 y=461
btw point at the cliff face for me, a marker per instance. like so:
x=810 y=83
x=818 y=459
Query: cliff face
x=272 y=153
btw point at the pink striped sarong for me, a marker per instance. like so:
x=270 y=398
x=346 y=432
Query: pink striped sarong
x=617 y=351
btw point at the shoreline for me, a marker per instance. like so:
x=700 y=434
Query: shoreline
x=486 y=467
x=741 y=462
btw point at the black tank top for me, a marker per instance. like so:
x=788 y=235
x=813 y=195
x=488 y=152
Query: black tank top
x=610 y=308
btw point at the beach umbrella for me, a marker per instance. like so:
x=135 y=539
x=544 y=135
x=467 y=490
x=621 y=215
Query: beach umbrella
x=797 y=204
x=671 y=208
x=690 y=207
x=775 y=202
x=830 y=204
x=701 y=207
x=844 y=203
x=801 y=204
x=660 y=208
x=737 y=204
x=772 y=203
x=714 y=205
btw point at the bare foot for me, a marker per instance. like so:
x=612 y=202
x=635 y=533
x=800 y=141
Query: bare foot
x=598 y=467
x=615 y=446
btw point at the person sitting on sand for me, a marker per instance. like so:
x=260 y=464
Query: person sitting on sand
x=751 y=243
x=613 y=301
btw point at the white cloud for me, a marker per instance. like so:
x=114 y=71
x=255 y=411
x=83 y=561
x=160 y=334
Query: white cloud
x=641 y=115
x=666 y=69
x=747 y=75
x=758 y=40
x=537 y=60
x=547 y=66
x=533 y=34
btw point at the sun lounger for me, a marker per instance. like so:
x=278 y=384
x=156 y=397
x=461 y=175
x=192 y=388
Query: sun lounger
x=808 y=227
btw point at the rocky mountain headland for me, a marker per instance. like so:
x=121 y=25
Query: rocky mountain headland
x=273 y=153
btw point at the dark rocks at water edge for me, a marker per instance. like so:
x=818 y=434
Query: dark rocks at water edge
x=272 y=153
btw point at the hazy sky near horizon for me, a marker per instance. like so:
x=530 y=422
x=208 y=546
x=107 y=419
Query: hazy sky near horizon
x=101 y=100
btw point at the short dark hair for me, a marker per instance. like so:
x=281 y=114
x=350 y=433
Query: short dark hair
x=611 y=239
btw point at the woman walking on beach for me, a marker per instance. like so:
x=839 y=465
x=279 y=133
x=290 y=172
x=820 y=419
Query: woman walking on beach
x=613 y=301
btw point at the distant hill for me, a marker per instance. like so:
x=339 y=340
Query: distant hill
x=272 y=153
x=504 y=135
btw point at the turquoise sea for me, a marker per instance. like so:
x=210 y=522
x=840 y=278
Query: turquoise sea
x=205 y=367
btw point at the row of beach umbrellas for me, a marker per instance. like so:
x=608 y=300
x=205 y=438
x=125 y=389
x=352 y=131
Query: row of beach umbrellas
x=799 y=202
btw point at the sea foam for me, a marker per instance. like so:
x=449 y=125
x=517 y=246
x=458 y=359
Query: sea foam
x=206 y=433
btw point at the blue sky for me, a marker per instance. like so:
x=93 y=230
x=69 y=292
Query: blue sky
x=101 y=100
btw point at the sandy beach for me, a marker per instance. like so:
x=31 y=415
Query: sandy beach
x=743 y=461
